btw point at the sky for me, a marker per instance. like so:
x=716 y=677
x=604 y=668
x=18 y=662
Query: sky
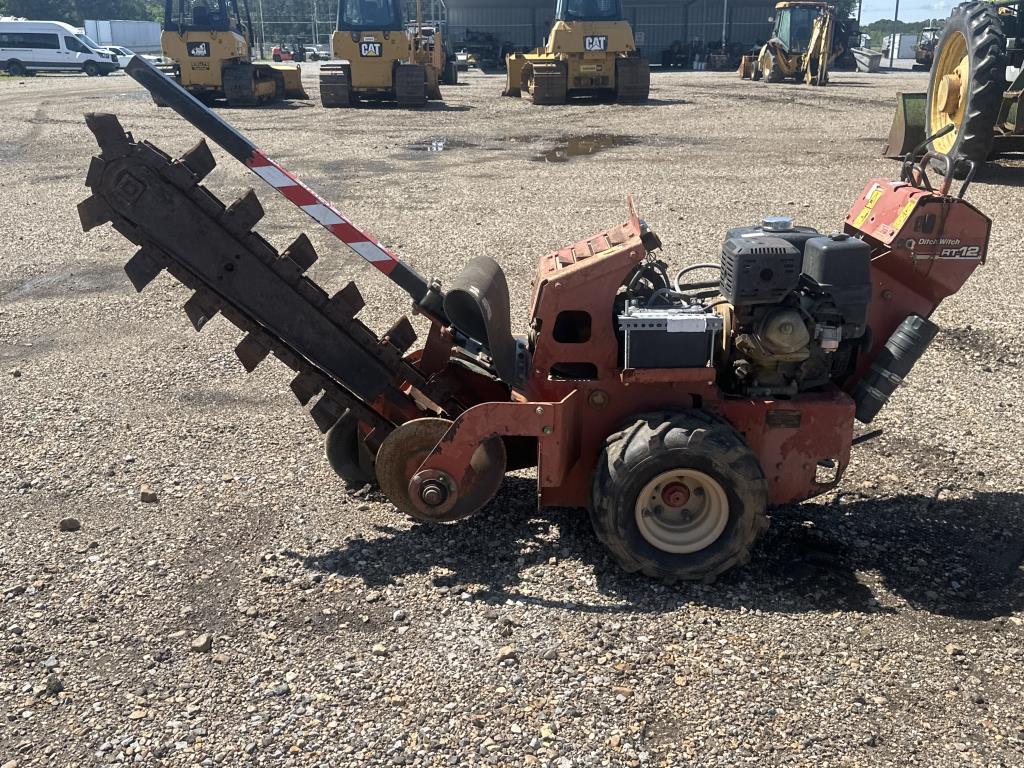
x=910 y=10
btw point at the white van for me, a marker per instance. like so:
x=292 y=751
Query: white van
x=51 y=46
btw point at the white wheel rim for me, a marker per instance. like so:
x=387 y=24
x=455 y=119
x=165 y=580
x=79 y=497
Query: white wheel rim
x=682 y=511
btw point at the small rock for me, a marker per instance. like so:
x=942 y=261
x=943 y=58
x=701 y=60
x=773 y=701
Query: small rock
x=952 y=649
x=147 y=494
x=615 y=741
x=16 y=373
x=379 y=649
x=70 y=524
x=10 y=764
x=50 y=663
x=220 y=658
x=399 y=615
x=550 y=654
x=54 y=685
x=202 y=644
x=507 y=653
x=372 y=597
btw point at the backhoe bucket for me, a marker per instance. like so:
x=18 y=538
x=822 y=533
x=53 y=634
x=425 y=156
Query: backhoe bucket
x=292 y=80
x=908 y=125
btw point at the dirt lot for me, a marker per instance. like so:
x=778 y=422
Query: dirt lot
x=877 y=625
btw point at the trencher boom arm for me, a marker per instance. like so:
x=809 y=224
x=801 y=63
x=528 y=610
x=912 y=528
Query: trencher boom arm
x=180 y=226
x=211 y=125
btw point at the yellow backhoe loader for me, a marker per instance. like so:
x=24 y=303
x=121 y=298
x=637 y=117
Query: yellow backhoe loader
x=590 y=51
x=800 y=47
x=377 y=56
x=975 y=91
x=210 y=45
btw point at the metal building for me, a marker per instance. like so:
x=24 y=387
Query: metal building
x=656 y=23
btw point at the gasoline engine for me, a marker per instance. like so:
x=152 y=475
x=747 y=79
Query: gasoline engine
x=786 y=315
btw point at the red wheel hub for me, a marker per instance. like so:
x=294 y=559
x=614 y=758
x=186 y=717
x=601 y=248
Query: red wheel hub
x=675 y=494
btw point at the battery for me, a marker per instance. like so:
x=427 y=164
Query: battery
x=669 y=337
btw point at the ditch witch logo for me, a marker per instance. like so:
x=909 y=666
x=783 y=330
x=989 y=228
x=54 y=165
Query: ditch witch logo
x=198 y=49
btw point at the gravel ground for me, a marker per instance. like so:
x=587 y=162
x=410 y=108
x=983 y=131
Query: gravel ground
x=258 y=613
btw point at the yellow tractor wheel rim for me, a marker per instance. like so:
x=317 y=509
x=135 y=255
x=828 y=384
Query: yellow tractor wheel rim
x=950 y=83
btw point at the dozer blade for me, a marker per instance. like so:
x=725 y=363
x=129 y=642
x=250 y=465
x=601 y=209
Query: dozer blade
x=908 y=125
x=292 y=76
x=180 y=226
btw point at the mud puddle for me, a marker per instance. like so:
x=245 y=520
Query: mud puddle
x=440 y=144
x=569 y=147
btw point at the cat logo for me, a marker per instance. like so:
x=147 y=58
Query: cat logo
x=595 y=43
x=371 y=50
x=199 y=49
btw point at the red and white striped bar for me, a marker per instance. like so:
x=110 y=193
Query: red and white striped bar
x=323 y=213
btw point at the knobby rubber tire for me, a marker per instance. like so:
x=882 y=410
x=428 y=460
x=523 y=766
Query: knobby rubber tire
x=656 y=443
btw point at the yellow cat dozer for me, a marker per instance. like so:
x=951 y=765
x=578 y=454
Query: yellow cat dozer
x=210 y=45
x=800 y=48
x=378 y=57
x=590 y=51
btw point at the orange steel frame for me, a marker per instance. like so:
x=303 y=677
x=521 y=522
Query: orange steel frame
x=572 y=419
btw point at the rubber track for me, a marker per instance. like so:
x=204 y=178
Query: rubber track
x=238 y=82
x=656 y=433
x=632 y=80
x=410 y=85
x=135 y=182
x=550 y=83
x=986 y=44
x=335 y=86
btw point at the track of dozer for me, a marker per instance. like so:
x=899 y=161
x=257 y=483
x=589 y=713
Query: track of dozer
x=146 y=195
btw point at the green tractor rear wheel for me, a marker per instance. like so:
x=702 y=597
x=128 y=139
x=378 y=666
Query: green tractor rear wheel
x=967 y=83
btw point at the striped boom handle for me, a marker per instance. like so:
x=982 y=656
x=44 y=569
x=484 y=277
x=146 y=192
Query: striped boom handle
x=232 y=141
x=322 y=212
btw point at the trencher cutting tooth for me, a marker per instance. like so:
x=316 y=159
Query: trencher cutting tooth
x=183 y=228
x=144 y=266
x=253 y=350
x=199 y=160
x=201 y=308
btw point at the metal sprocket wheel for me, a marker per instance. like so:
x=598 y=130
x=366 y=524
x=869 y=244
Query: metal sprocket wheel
x=403 y=451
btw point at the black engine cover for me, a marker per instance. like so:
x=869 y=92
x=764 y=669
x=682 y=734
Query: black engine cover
x=759 y=270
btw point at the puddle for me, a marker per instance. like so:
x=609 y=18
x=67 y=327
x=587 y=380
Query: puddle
x=580 y=146
x=439 y=144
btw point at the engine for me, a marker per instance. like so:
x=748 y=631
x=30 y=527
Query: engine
x=795 y=307
x=786 y=313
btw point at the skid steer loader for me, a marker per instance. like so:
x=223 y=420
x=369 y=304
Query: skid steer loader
x=976 y=88
x=210 y=45
x=677 y=409
x=379 y=57
x=801 y=47
x=589 y=51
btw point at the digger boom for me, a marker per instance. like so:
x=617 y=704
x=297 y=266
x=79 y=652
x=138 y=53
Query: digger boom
x=273 y=173
x=146 y=196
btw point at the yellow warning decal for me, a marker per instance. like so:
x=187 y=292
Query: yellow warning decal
x=905 y=213
x=873 y=197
